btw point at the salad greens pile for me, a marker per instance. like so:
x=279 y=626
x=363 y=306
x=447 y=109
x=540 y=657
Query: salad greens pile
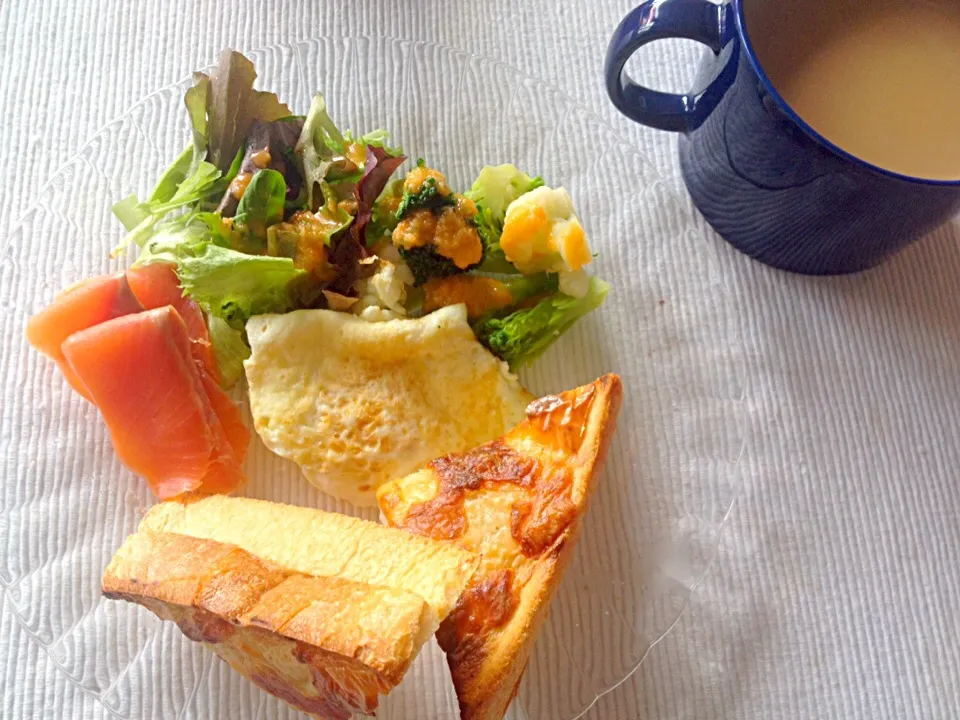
x=266 y=212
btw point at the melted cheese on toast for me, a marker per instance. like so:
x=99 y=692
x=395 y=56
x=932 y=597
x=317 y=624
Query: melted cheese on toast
x=518 y=502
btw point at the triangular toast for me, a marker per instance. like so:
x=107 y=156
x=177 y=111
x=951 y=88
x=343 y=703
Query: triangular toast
x=517 y=502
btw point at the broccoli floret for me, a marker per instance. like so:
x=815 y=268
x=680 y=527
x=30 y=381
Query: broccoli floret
x=425 y=264
x=523 y=336
x=427 y=197
x=428 y=207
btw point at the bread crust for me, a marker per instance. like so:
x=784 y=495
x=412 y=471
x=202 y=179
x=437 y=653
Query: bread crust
x=326 y=645
x=529 y=491
x=314 y=542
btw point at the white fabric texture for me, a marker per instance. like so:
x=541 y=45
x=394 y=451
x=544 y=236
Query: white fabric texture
x=832 y=590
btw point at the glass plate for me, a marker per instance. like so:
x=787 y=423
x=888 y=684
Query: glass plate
x=669 y=328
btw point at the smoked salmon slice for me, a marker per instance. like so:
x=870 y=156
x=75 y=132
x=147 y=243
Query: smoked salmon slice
x=229 y=414
x=88 y=303
x=157 y=285
x=164 y=417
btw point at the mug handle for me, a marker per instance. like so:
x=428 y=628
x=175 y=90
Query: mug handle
x=699 y=20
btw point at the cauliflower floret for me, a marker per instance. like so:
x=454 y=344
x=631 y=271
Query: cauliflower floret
x=385 y=290
x=386 y=250
x=387 y=286
x=541 y=232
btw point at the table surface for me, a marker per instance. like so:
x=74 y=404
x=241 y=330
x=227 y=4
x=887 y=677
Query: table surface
x=835 y=590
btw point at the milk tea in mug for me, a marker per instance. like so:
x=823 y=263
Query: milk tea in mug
x=822 y=135
x=879 y=78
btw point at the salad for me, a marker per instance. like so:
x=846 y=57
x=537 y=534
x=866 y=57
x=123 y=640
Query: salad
x=269 y=212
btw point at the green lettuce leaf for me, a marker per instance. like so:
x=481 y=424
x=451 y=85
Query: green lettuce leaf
x=196 y=102
x=184 y=235
x=377 y=138
x=130 y=212
x=173 y=176
x=229 y=349
x=498 y=186
x=262 y=204
x=319 y=141
x=186 y=190
x=383 y=216
x=192 y=189
x=229 y=284
x=236 y=286
x=322 y=152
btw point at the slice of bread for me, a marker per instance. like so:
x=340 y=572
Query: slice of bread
x=293 y=600
x=315 y=542
x=518 y=502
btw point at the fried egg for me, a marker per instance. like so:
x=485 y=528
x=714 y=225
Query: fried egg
x=356 y=404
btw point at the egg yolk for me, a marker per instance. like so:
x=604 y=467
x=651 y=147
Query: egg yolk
x=526 y=238
x=572 y=244
x=540 y=237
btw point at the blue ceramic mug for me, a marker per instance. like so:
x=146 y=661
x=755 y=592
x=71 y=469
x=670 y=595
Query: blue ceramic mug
x=763 y=178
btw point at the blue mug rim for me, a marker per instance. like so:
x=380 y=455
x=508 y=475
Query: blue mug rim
x=806 y=127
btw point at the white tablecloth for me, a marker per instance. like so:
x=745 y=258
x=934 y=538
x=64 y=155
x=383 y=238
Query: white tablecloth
x=835 y=592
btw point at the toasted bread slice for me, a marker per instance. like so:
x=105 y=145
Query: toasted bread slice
x=518 y=502
x=314 y=542
x=325 y=645
x=291 y=597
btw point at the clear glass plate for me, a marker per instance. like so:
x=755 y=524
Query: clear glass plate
x=670 y=329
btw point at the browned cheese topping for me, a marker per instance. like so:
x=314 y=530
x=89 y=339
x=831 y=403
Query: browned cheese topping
x=547 y=508
x=443 y=517
x=485 y=606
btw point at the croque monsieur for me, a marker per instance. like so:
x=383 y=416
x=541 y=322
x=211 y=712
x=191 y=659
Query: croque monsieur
x=322 y=610
x=518 y=502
